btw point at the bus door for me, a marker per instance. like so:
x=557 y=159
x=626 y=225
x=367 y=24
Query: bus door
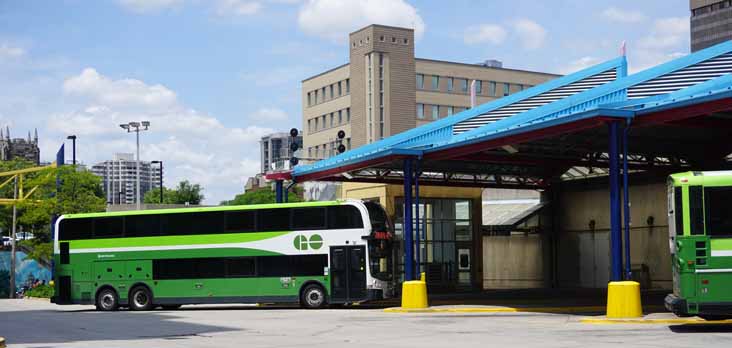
x=347 y=273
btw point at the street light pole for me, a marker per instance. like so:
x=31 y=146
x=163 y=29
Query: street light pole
x=135 y=127
x=12 y=238
x=160 y=179
x=73 y=148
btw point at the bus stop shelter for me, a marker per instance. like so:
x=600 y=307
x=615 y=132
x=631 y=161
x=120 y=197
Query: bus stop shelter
x=598 y=122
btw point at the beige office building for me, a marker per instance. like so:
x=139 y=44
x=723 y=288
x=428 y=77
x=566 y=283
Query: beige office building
x=385 y=90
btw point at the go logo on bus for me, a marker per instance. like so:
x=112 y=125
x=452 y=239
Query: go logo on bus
x=303 y=243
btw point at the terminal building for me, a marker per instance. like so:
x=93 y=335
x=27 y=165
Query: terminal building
x=563 y=139
x=711 y=22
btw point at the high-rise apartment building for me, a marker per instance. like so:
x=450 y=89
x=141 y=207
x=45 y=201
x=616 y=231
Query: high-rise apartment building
x=711 y=22
x=275 y=152
x=14 y=148
x=385 y=90
x=119 y=177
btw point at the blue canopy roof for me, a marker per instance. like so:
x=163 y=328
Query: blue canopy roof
x=603 y=90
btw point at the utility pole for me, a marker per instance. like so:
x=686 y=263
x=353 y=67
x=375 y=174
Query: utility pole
x=12 y=238
x=135 y=127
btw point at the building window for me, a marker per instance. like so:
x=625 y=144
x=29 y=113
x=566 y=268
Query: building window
x=435 y=82
x=331 y=119
x=348 y=143
x=381 y=38
x=324 y=122
x=316 y=124
x=340 y=88
x=310 y=126
x=393 y=39
x=316 y=96
x=406 y=41
x=420 y=111
x=332 y=95
x=449 y=110
x=435 y=112
x=464 y=85
x=323 y=89
x=506 y=89
x=348 y=86
x=478 y=87
x=450 y=82
x=310 y=99
x=348 y=114
x=492 y=88
x=340 y=116
x=367 y=39
x=420 y=81
x=317 y=155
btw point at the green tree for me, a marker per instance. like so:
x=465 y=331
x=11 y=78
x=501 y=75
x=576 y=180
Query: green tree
x=263 y=196
x=79 y=192
x=184 y=193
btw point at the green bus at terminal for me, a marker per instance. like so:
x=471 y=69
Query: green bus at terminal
x=314 y=254
x=700 y=231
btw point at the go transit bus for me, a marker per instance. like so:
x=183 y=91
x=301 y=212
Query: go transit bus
x=311 y=253
x=700 y=229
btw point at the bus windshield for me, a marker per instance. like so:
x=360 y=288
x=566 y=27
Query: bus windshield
x=380 y=242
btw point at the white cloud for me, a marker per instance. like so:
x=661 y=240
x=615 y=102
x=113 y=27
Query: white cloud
x=237 y=8
x=484 y=33
x=148 y=6
x=194 y=145
x=667 y=32
x=579 y=64
x=124 y=92
x=623 y=16
x=531 y=34
x=7 y=51
x=334 y=19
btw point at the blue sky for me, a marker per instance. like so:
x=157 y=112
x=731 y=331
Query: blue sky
x=214 y=75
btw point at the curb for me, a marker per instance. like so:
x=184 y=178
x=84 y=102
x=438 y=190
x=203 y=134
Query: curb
x=583 y=309
x=693 y=321
x=37 y=299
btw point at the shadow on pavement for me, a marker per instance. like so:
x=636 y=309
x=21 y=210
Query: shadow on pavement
x=701 y=328
x=52 y=326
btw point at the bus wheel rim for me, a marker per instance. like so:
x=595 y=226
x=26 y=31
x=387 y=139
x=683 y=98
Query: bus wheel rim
x=107 y=300
x=314 y=298
x=141 y=299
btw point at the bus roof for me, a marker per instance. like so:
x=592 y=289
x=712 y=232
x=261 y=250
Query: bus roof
x=205 y=209
x=698 y=178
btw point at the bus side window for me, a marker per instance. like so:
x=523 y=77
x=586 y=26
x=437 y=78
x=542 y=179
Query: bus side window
x=344 y=217
x=109 y=227
x=74 y=229
x=718 y=211
x=273 y=219
x=240 y=221
x=696 y=210
x=308 y=219
x=679 y=211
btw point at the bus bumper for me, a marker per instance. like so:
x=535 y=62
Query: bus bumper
x=375 y=294
x=676 y=305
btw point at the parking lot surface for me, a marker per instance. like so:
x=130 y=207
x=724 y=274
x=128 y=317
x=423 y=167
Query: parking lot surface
x=33 y=323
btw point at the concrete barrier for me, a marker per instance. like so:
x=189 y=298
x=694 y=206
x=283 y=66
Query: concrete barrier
x=623 y=300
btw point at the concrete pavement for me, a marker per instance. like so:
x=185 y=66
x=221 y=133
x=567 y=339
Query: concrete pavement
x=26 y=323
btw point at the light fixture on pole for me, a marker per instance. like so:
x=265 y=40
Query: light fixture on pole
x=136 y=127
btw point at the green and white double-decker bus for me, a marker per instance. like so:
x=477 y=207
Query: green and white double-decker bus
x=309 y=253
x=700 y=229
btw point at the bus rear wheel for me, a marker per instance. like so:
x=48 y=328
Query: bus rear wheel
x=107 y=300
x=140 y=299
x=313 y=297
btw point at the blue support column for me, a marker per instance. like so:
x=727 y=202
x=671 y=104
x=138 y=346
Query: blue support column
x=616 y=257
x=278 y=191
x=417 y=219
x=626 y=203
x=407 y=224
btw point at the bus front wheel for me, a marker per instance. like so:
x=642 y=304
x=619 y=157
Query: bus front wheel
x=140 y=299
x=107 y=300
x=313 y=297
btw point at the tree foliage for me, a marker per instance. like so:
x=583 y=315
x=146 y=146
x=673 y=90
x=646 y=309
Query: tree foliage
x=184 y=193
x=263 y=196
x=78 y=192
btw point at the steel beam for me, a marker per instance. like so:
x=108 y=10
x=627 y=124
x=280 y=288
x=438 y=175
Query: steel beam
x=407 y=224
x=616 y=258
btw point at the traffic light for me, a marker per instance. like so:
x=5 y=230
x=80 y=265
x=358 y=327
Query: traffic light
x=341 y=147
x=294 y=146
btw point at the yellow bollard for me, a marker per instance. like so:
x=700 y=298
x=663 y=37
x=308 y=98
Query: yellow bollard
x=414 y=294
x=623 y=300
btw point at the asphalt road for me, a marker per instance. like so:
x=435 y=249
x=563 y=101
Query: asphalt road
x=32 y=323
